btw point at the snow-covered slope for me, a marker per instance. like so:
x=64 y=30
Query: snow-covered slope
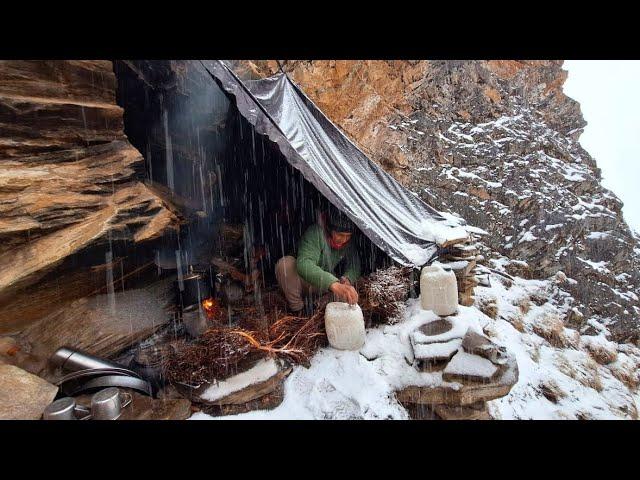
x=563 y=375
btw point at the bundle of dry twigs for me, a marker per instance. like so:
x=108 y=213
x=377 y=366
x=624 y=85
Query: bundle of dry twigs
x=218 y=352
x=270 y=331
x=383 y=294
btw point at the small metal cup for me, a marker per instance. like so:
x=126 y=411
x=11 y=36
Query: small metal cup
x=63 y=409
x=107 y=404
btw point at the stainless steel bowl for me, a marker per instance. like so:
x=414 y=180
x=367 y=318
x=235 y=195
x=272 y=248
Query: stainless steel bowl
x=107 y=404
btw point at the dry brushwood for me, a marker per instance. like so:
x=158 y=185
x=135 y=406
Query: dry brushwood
x=218 y=352
x=383 y=294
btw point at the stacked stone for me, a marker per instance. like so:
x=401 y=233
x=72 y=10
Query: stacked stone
x=463 y=258
x=474 y=370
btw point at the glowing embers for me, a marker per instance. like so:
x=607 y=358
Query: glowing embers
x=212 y=309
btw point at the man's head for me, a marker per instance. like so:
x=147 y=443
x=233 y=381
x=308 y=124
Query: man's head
x=340 y=228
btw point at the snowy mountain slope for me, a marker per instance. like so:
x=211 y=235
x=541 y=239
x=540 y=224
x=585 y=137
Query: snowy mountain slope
x=540 y=198
x=497 y=143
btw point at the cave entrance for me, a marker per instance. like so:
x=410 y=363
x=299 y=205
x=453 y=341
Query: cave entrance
x=244 y=204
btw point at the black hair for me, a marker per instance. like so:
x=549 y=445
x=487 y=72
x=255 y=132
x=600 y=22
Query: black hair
x=339 y=222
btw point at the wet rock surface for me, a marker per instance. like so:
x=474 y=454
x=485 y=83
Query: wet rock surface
x=69 y=179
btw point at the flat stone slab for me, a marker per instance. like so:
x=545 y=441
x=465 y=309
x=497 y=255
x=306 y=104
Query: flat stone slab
x=23 y=396
x=465 y=392
x=266 y=402
x=439 y=331
x=436 y=352
x=465 y=366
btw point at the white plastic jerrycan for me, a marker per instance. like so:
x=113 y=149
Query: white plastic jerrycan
x=438 y=290
x=344 y=324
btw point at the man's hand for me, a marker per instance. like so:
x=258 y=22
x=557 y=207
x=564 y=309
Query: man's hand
x=345 y=292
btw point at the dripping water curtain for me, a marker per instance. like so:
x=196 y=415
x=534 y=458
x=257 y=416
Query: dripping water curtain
x=395 y=219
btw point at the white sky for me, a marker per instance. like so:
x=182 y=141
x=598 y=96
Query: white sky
x=609 y=96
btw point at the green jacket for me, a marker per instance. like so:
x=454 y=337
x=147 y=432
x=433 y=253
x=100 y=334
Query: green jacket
x=316 y=260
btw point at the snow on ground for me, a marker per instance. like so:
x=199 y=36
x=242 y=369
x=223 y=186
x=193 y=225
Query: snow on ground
x=358 y=385
x=554 y=382
x=260 y=372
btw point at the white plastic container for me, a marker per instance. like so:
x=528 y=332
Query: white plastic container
x=438 y=290
x=344 y=325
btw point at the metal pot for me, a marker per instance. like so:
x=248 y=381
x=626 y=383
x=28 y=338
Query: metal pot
x=194 y=288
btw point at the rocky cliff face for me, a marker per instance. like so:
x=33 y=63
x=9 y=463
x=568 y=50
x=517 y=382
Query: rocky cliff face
x=495 y=142
x=69 y=179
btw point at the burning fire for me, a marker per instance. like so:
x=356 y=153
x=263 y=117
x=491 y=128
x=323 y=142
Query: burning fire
x=211 y=308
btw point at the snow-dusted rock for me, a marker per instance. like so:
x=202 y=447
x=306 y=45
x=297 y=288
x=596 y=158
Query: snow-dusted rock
x=477 y=344
x=260 y=379
x=436 y=352
x=463 y=392
x=464 y=366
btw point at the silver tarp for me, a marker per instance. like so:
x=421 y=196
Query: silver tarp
x=396 y=220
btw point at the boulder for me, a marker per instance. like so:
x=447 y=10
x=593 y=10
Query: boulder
x=101 y=325
x=23 y=396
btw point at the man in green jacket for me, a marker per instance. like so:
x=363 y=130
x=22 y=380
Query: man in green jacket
x=322 y=252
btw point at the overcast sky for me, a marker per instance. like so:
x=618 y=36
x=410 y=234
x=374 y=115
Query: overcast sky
x=609 y=95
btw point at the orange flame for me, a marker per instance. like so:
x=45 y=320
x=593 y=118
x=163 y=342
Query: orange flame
x=211 y=308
